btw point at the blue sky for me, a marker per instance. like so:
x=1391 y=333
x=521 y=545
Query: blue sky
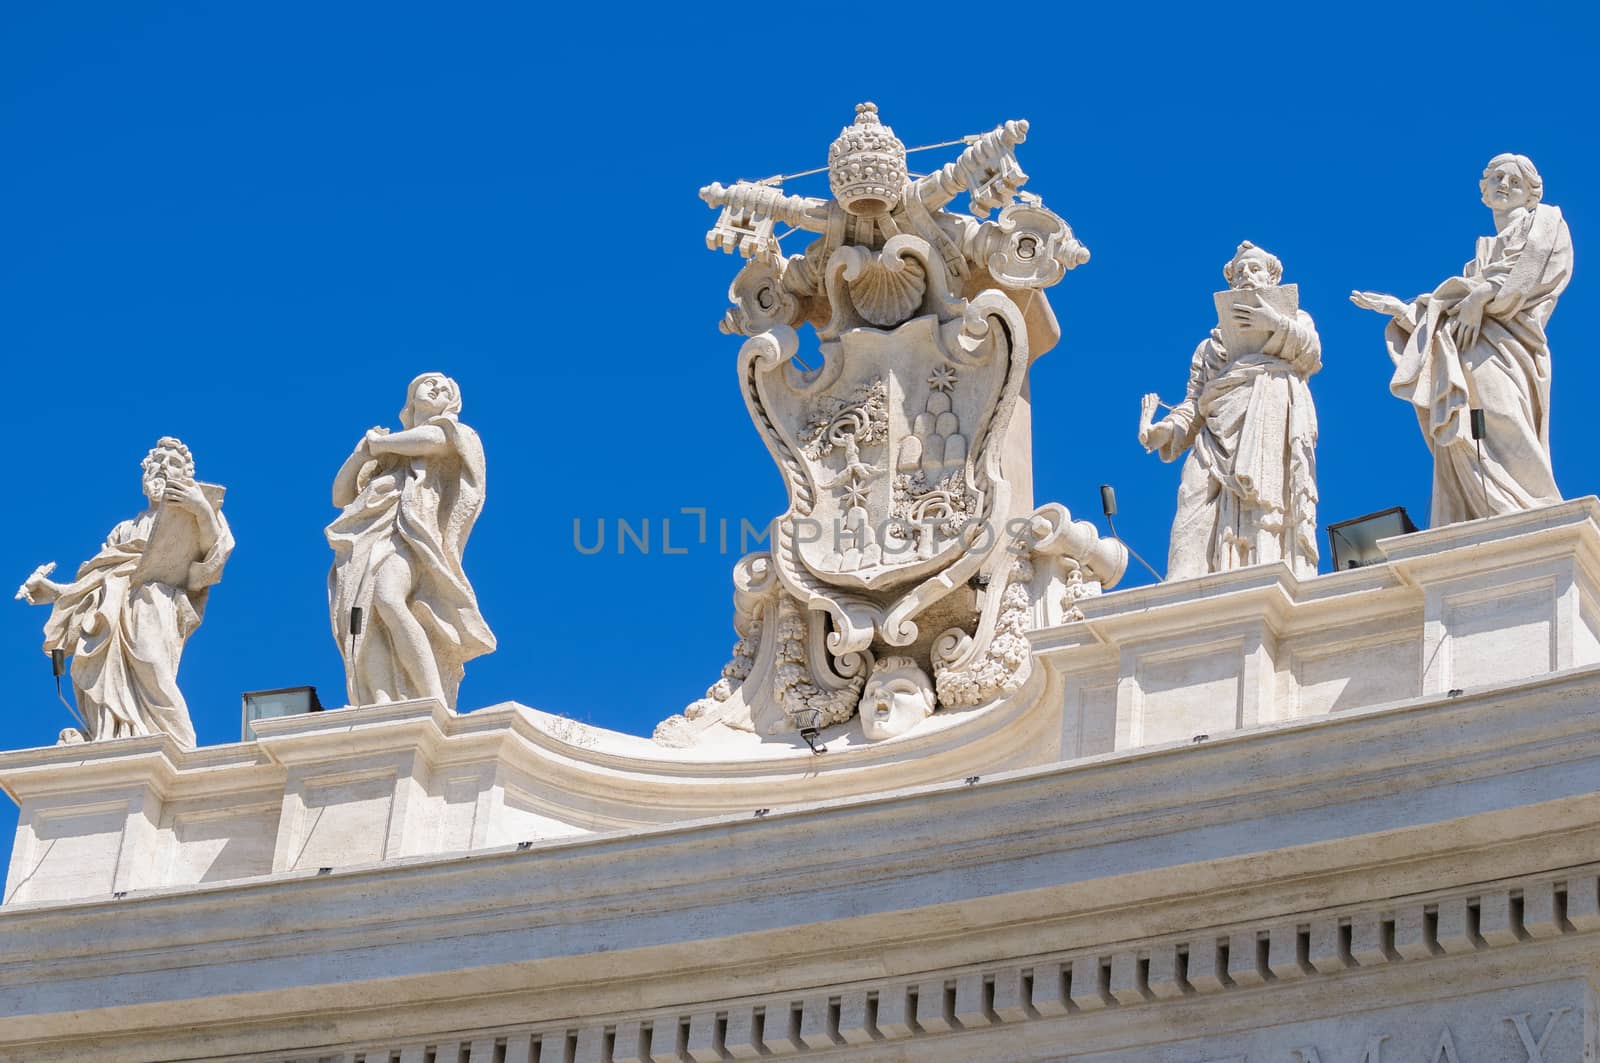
x=251 y=225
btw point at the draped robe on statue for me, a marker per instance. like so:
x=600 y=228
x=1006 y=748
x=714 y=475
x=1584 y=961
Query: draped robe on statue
x=126 y=634
x=1506 y=372
x=1248 y=491
x=423 y=509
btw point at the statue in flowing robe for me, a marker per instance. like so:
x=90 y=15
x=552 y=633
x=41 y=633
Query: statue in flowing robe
x=409 y=501
x=1477 y=341
x=126 y=616
x=1248 y=490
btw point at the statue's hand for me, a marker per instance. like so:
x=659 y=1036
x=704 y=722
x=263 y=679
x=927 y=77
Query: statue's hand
x=38 y=588
x=1147 y=409
x=1152 y=436
x=1155 y=436
x=1383 y=304
x=1260 y=317
x=1469 y=316
x=373 y=435
x=185 y=494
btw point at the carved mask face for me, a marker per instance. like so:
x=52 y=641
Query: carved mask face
x=896 y=699
x=1504 y=188
x=1250 y=270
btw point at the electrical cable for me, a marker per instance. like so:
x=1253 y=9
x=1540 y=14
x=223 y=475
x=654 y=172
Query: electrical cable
x=1112 y=521
x=1108 y=505
x=57 y=666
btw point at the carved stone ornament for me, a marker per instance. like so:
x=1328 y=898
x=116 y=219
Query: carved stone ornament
x=906 y=537
x=1027 y=246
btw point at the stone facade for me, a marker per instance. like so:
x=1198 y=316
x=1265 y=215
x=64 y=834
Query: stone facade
x=1385 y=847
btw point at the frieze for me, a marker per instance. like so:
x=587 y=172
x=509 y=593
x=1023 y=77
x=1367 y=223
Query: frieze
x=1523 y=1024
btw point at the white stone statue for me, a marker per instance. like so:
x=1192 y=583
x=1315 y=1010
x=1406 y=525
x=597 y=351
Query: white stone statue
x=125 y=618
x=410 y=499
x=1248 y=490
x=1477 y=341
x=905 y=448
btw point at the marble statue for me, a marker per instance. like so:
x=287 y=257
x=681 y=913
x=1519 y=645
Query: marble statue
x=126 y=616
x=1248 y=490
x=1477 y=341
x=904 y=441
x=409 y=501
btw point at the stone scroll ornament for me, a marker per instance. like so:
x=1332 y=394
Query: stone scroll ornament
x=1477 y=342
x=409 y=501
x=903 y=440
x=125 y=617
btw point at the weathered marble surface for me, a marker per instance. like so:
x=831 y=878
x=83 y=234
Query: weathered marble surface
x=1248 y=492
x=125 y=617
x=409 y=501
x=1478 y=341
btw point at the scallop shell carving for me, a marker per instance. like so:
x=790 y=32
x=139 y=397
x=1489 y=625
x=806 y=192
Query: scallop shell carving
x=886 y=295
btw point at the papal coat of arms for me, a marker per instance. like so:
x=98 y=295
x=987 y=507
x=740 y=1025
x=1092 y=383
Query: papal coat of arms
x=905 y=571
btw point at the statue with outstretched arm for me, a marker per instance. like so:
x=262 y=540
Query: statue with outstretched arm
x=1477 y=341
x=125 y=617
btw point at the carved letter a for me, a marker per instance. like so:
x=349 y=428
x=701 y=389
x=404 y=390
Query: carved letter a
x=1446 y=1052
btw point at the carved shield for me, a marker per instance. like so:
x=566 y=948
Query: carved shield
x=890 y=449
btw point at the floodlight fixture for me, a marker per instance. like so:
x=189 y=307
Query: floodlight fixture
x=1355 y=541
x=274 y=704
x=1108 y=506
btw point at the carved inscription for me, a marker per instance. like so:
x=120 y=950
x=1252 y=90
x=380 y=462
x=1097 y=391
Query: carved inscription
x=1373 y=1053
x=1443 y=1048
x=1535 y=1048
x=1544 y=1023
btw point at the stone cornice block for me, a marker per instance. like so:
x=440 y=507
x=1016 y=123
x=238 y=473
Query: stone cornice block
x=1272 y=592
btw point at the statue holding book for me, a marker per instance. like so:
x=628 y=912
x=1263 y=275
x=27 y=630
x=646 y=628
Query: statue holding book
x=1477 y=342
x=125 y=618
x=1248 y=491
